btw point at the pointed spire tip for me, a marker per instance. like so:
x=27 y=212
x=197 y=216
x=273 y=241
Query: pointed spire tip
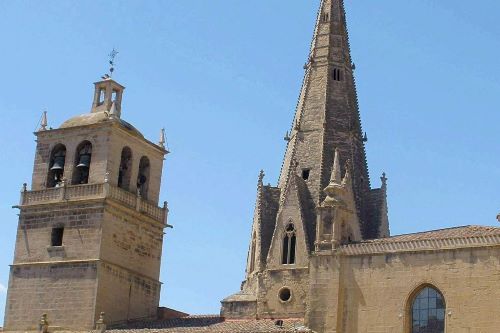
x=336 y=177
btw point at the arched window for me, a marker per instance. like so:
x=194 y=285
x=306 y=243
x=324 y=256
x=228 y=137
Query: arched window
x=56 y=166
x=82 y=163
x=143 y=177
x=427 y=311
x=289 y=244
x=125 y=170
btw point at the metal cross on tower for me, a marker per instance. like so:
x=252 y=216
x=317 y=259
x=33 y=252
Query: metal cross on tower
x=112 y=56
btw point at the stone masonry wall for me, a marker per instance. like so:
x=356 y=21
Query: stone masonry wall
x=131 y=242
x=66 y=292
x=374 y=293
x=271 y=282
x=323 y=293
x=124 y=295
x=55 y=279
x=81 y=236
x=239 y=309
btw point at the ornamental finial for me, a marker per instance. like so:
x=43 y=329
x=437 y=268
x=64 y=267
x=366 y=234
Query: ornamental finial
x=383 y=179
x=43 y=123
x=162 y=141
x=261 y=176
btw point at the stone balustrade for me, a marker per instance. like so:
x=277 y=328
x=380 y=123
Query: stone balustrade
x=94 y=191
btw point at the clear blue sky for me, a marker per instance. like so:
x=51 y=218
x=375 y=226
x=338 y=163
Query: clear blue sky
x=223 y=78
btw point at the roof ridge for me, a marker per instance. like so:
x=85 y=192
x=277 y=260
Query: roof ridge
x=442 y=229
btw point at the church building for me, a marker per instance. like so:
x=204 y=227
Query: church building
x=320 y=247
x=320 y=257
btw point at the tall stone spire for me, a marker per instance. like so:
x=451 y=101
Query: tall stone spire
x=313 y=209
x=327 y=116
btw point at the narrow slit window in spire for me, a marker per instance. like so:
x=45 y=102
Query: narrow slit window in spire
x=289 y=245
x=337 y=74
x=325 y=17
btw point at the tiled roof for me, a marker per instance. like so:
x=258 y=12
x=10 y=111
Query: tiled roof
x=451 y=238
x=241 y=297
x=211 y=324
x=456 y=232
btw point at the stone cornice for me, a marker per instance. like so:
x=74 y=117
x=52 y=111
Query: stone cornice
x=420 y=245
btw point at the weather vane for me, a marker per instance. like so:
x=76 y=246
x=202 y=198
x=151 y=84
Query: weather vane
x=112 y=56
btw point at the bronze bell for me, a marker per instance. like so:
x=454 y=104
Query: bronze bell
x=141 y=180
x=58 y=163
x=84 y=161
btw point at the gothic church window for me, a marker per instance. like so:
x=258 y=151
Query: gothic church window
x=427 y=311
x=56 y=166
x=124 y=172
x=82 y=163
x=143 y=177
x=289 y=245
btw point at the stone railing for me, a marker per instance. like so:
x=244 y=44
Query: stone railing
x=94 y=191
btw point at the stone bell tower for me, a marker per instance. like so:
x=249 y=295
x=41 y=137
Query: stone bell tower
x=90 y=230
